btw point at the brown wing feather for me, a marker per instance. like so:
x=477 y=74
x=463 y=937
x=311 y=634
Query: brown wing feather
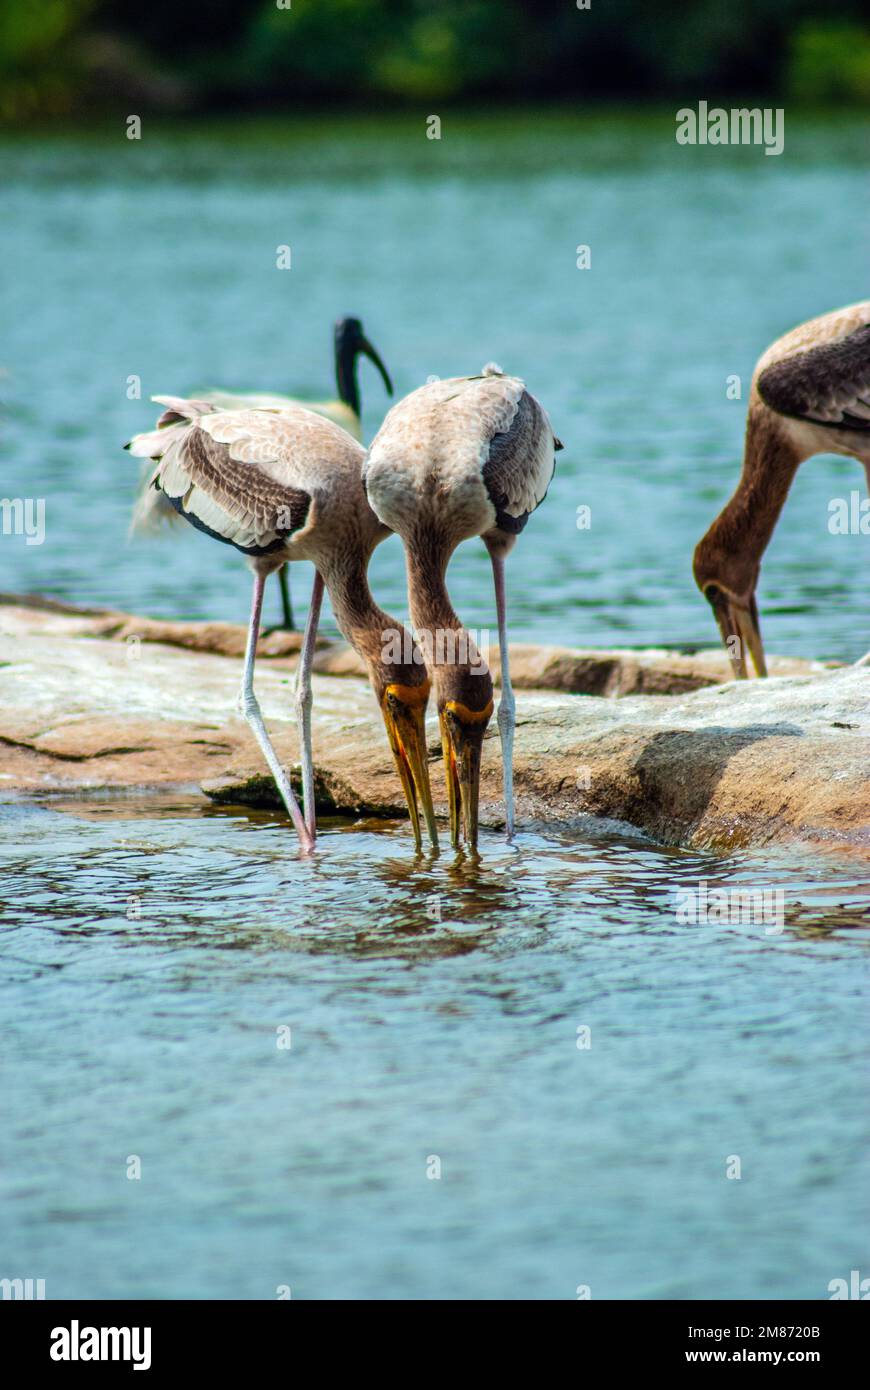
x=235 y=502
x=828 y=385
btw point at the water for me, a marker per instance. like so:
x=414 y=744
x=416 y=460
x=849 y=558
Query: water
x=151 y=948
x=151 y=951
x=157 y=259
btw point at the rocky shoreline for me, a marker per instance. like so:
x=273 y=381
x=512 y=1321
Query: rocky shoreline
x=665 y=741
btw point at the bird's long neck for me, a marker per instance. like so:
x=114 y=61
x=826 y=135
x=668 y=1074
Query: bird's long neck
x=770 y=461
x=346 y=380
x=370 y=631
x=450 y=651
x=431 y=609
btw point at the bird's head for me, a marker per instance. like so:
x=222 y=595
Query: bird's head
x=728 y=581
x=350 y=342
x=402 y=689
x=465 y=706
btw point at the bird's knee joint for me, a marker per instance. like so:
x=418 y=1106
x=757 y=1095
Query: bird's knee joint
x=247 y=704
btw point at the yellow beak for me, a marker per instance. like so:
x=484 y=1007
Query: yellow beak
x=462 y=734
x=406 y=730
x=741 y=633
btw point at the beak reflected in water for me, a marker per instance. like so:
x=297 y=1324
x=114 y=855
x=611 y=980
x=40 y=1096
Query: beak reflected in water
x=462 y=732
x=404 y=711
x=741 y=633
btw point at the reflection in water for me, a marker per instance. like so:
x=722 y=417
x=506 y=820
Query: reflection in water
x=152 y=949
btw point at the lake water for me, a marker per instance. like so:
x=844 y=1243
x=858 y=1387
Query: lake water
x=157 y=258
x=155 y=950
x=152 y=951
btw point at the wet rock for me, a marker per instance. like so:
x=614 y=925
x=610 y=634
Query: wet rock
x=721 y=766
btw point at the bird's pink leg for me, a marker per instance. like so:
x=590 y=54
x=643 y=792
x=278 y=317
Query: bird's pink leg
x=303 y=703
x=507 y=704
x=251 y=710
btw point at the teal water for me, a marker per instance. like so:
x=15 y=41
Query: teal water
x=157 y=259
x=151 y=949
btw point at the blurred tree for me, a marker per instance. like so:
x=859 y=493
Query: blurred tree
x=830 y=62
x=219 y=53
x=37 y=75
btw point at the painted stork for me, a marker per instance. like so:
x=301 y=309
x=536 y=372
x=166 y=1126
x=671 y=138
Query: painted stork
x=282 y=486
x=152 y=509
x=468 y=456
x=810 y=395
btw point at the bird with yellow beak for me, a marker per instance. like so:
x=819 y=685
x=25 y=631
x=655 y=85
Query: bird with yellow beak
x=468 y=456
x=281 y=486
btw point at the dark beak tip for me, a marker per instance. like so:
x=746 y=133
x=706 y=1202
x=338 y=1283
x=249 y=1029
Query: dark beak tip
x=365 y=347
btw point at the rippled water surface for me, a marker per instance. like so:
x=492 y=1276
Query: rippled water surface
x=152 y=951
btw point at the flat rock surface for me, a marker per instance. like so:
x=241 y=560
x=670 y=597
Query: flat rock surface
x=90 y=699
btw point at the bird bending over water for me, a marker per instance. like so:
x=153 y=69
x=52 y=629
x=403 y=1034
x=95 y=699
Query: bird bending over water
x=810 y=395
x=469 y=456
x=284 y=486
x=349 y=343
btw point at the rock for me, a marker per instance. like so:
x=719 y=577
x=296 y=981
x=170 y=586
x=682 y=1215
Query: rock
x=653 y=671
x=223 y=639
x=726 y=765
x=594 y=672
x=589 y=671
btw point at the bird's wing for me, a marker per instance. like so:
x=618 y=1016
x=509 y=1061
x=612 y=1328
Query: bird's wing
x=230 y=473
x=519 y=463
x=337 y=411
x=176 y=417
x=828 y=384
x=152 y=509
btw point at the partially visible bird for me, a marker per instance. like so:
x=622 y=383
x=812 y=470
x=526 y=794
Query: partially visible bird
x=281 y=486
x=469 y=456
x=810 y=395
x=151 y=508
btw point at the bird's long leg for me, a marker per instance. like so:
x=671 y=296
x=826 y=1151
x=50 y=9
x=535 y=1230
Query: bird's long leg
x=251 y=711
x=286 y=605
x=507 y=704
x=303 y=702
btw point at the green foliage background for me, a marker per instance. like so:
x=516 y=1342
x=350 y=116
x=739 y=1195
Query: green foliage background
x=75 y=56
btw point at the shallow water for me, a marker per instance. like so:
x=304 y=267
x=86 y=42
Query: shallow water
x=152 y=950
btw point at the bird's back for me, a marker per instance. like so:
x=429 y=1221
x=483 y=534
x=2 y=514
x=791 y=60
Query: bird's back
x=337 y=411
x=467 y=453
x=826 y=329
x=818 y=376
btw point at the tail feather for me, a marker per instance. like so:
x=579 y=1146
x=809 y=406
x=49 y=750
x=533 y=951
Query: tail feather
x=152 y=509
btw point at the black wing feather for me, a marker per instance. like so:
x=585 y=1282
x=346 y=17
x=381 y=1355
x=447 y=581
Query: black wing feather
x=826 y=379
